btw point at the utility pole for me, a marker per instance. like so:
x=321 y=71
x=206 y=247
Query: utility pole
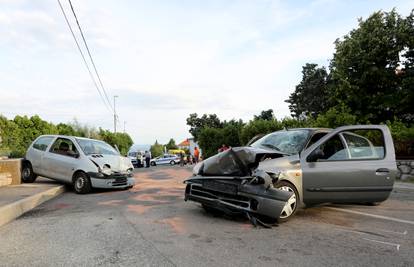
x=124 y=126
x=115 y=96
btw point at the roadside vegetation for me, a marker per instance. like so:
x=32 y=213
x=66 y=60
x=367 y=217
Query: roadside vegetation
x=17 y=134
x=370 y=80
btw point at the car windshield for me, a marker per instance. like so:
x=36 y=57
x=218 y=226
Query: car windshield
x=90 y=146
x=289 y=142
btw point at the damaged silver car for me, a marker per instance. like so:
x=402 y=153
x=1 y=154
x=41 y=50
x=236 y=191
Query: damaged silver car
x=84 y=163
x=287 y=169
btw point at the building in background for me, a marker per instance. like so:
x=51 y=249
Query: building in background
x=189 y=144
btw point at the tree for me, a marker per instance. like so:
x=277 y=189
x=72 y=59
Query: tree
x=196 y=123
x=121 y=140
x=265 y=115
x=311 y=96
x=157 y=149
x=171 y=144
x=335 y=117
x=373 y=68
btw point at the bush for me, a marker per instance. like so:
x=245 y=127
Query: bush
x=403 y=136
x=16 y=135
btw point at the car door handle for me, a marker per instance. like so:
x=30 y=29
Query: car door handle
x=382 y=171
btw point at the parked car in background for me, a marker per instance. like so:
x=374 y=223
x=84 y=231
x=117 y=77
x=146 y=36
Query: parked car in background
x=84 y=163
x=350 y=164
x=137 y=158
x=165 y=159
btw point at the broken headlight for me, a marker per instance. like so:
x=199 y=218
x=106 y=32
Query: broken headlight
x=106 y=169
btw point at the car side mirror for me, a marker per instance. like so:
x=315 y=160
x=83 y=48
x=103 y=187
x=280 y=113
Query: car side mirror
x=315 y=155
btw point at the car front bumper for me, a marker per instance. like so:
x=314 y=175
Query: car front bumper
x=111 y=181
x=231 y=196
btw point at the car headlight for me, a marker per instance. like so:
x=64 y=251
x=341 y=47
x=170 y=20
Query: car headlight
x=106 y=169
x=130 y=172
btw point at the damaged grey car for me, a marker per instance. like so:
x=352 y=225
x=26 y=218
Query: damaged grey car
x=282 y=171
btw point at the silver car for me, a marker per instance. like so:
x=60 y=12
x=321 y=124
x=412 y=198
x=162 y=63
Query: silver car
x=350 y=164
x=84 y=163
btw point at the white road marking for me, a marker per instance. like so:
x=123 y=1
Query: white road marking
x=385 y=243
x=372 y=215
x=392 y=232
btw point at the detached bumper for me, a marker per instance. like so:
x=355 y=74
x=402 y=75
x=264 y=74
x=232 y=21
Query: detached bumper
x=234 y=196
x=111 y=181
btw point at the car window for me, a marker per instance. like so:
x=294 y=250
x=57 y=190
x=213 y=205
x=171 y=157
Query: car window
x=333 y=149
x=353 y=145
x=315 y=138
x=365 y=144
x=64 y=147
x=289 y=142
x=43 y=142
x=90 y=146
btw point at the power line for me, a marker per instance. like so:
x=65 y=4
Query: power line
x=83 y=57
x=89 y=53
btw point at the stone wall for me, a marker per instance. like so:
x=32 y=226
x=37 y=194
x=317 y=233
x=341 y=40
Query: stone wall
x=10 y=171
x=405 y=169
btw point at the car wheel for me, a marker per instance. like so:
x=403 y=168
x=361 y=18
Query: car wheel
x=153 y=163
x=172 y=162
x=82 y=183
x=292 y=204
x=28 y=176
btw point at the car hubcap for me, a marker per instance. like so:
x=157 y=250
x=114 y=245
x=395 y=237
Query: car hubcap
x=80 y=182
x=26 y=172
x=290 y=205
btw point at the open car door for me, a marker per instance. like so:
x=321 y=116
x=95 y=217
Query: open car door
x=350 y=164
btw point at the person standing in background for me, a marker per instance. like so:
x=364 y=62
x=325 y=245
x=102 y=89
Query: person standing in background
x=181 y=159
x=147 y=158
x=196 y=154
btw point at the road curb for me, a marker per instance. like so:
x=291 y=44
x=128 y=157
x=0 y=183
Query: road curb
x=14 y=210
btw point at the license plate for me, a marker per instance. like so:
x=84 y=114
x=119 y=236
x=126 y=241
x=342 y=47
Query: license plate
x=220 y=187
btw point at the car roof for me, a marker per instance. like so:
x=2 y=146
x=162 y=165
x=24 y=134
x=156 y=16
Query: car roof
x=68 y=136
x=310 y=129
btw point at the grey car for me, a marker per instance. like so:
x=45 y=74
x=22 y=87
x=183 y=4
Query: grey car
x=350 y=164
x=84 y=163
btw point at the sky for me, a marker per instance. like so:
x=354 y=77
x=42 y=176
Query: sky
x=166 y=59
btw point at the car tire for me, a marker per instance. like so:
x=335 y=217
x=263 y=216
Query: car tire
x=172 y=162
x=27 y=175
x=153 y=163
x=81 y=183
x=291 y=206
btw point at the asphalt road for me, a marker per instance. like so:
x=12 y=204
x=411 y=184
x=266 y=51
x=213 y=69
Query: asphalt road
x=151 y=225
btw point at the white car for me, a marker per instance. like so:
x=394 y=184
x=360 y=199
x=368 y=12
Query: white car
x=165 y=159
x=84 y=163
x=137 y=158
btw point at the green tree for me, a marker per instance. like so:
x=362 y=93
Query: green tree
x=373 y=68
x=121 y=140
x=210 y=139
x=157 y=149
x=265 y=115
x=196 y=123
x=335 y=117
x=311 y=95
x=171 y=144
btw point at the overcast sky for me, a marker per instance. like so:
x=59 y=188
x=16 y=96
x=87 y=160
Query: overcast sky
x=166 y=59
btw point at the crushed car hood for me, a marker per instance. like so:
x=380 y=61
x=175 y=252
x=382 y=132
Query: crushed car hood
x=116 y=163
x=237 y=161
